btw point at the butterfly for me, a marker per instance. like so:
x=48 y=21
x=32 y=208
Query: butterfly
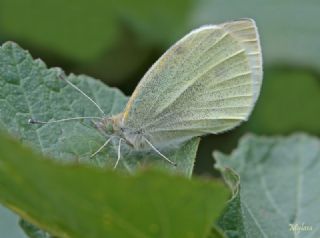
x=206 y=83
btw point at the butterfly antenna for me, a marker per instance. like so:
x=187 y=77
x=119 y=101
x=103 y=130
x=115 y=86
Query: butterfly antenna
x=119 y=154
x=83 y=93
x=33 y=121
x=104 y=145
x=159 y=153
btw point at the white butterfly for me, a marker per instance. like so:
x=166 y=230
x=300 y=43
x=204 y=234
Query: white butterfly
x=206 y=83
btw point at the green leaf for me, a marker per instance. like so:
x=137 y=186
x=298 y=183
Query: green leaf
x=279 y=187
x=9 y=224
x=29 y=90
x=78 y=201
x=83 y=30
x=216 y=233
x=231 y=221
x=288 y=30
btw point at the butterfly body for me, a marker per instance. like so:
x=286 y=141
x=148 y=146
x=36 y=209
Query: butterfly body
x=114 y=126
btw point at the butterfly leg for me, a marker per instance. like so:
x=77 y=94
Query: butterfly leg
x=119 y=154
x=104 y=145
x=159 y=153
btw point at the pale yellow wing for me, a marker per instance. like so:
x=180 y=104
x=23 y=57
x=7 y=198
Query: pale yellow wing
x=208 y=82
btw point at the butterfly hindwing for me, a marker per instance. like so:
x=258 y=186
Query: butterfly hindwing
x=208 y=82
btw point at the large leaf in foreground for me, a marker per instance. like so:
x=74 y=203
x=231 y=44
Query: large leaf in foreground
x=76 y=201
x=29 y=90
x=279 y=187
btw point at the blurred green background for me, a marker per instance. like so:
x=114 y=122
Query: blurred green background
x=117 y=41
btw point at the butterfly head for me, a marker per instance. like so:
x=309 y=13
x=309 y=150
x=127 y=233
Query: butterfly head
x=110 y=125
